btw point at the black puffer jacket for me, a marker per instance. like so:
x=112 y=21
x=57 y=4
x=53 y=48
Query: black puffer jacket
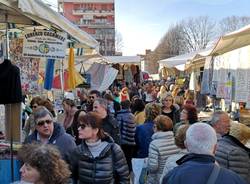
x=99 y=170
x=110 y=126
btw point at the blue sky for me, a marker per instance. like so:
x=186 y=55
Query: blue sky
x=142 y=23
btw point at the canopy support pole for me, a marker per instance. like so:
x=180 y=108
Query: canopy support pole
x=9 y=105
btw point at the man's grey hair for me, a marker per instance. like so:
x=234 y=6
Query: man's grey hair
x=216 y=117
x=41 y=112
x=103 y=102
x=201 y=139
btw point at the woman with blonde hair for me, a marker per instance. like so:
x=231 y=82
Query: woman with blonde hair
x=161 y=147
x=175 y=90
x=169 y=109
x=179 y=100
x=145 y=131
x=189 y=97
x=162 y=93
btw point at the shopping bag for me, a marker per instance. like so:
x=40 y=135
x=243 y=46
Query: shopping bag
x=143 y=176
x=137 y=166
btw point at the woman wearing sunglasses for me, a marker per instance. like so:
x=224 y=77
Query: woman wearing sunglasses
x=98 y=159
x=30 y=124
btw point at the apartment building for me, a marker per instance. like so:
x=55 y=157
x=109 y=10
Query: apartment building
x=96 y=17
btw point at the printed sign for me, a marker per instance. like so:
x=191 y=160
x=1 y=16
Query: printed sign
x=46 y=44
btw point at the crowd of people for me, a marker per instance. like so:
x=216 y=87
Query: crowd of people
x=96 y=141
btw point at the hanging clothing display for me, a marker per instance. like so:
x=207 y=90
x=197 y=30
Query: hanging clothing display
x=29 y=67
x=102 y=76
x=128 y=77
x=10 y=88
x=207 y=76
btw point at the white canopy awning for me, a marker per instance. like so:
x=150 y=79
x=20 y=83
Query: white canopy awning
x=233 y=40
x=177 y=61
x=123 y=59
x=28 y=12
x=180 y=61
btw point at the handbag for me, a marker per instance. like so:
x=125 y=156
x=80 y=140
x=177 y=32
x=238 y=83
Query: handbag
x=86 y=76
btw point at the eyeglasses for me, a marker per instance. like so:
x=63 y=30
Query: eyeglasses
x=42 y=122
x=82 y=126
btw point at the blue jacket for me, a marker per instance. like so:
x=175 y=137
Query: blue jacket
x=196 y=169
x=127 y=126
x=63 y=141
x=143 y=138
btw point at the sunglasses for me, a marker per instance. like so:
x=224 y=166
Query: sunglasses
x=82 y=126
x=42 y=122
x=34 y=106
x=91 y=97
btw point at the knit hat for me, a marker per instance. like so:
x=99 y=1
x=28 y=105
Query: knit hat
x=240 y=132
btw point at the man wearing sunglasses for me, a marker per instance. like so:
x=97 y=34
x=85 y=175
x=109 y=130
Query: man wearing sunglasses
x=49 y=132
x=93 y=95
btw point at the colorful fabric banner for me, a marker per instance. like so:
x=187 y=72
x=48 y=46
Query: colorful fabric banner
x=29 y=67
x=49 y=74
x=74 y=78
x=71 y=79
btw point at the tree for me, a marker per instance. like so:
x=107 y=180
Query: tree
x=118 y=41
x=232 y=23
x=171 y=43
x=197 y=32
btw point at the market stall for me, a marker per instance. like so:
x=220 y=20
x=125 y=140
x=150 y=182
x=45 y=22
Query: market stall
x=34 y=22
x=128 y=67
x=227 y=73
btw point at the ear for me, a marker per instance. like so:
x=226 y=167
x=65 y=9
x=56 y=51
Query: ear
x=185 y=143
x=214 y=149
x=95 y=131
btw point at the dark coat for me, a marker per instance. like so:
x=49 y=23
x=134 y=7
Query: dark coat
x=117 y=106
x=143 y=137
x=99 y=170
x=233 y=155
x=176 y=115
x=63 y=141
x=10 y=88
x=127 y=126
x=196 y=168
x=110 y=125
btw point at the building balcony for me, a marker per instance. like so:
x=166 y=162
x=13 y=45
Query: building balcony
x=93 y=12
x=86 y=1
x=96 y=25
x=103 y=37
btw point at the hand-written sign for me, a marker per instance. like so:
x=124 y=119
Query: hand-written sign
x=45 y=44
